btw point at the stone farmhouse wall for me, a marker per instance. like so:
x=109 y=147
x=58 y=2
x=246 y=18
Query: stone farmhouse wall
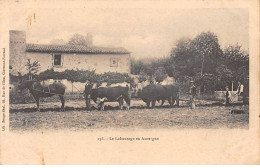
x=99 y=62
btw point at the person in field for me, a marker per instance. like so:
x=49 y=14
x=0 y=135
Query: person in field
x=192 y=93
x=228 y=96
x=240 y=90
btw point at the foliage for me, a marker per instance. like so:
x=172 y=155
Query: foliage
x=142 y=77
x=235 y=57
x=242 y=74
x=78 y=39
x=192 y=56
x=148 y=69
x=237 y=61
x=111 y=77
x=183 y=60
x=207 y=82
x=156 y=69
x=32 y=68
x=224 y=74
x=14 y=79
x=16 y=96
x=208 y=52
x=85 y=75
x=201 y=59
x=136 y=67
x=160 y=74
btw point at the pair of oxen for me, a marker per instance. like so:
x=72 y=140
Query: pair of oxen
x=149 y=94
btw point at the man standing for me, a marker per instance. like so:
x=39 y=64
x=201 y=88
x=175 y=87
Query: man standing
x=240 y=89
x=240 y=92
x=87 y=94
x=228 y=96
x=246 y=91
x=192 y=93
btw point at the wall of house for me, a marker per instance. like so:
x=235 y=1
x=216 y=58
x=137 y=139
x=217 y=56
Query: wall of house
x=99 y=62
x=17 y=48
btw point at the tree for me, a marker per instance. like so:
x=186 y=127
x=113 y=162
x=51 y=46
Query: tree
x=235 y=58
x=32 y=68
x=58 y=42
x=148 y=69
x=242 y=74
x=160 y=74
x=78 y=39
x=142 y=77
x=200 y=54
x=195 y=59
x=182 y=60
x=237 y=61
x=208 y=52
x=136 y=67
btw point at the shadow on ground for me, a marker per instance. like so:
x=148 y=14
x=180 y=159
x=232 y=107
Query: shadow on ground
x=108 y=107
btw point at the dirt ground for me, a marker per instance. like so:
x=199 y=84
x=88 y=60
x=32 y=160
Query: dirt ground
x=209 y=115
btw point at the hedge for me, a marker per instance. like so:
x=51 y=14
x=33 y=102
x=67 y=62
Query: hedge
x=81 y=76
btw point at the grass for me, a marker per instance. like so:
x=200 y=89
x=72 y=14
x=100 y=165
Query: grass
x=76 y=118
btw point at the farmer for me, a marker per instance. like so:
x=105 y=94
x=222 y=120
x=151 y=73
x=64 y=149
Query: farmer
x=192 y=93
x=88 y=88
x=240 y=89
x=228 y=96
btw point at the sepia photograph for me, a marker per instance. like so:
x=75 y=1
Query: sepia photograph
x=137 y=68
x=148 y=82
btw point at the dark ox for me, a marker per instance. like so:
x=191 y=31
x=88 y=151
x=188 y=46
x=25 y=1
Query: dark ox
x=107 y=94
x=157 y=92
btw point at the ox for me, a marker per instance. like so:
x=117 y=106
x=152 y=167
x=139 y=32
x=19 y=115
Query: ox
x=107 y=94
x=157 y=92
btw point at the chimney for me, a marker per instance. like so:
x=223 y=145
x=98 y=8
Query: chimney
x=17 y=48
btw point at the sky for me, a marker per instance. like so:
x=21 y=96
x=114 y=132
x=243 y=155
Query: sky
x=145 y=32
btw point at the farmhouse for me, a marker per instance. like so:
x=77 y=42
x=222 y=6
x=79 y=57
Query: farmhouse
x=62 y=57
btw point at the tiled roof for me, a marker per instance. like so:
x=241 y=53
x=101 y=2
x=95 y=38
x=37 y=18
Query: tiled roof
x=74 y=49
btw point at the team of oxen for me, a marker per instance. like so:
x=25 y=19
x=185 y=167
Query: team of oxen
x=149 y=94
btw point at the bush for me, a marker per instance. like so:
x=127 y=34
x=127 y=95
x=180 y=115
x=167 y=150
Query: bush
x=142 y=77
x=17 y=97
x=83 y=76
x=160 y=74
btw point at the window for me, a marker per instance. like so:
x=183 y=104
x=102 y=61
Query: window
x=57 y=60
x=113 y=62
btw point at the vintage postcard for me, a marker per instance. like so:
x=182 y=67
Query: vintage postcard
x=129 y=82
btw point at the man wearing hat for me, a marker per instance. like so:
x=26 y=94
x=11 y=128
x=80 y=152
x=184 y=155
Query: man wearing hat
x=192 y=93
